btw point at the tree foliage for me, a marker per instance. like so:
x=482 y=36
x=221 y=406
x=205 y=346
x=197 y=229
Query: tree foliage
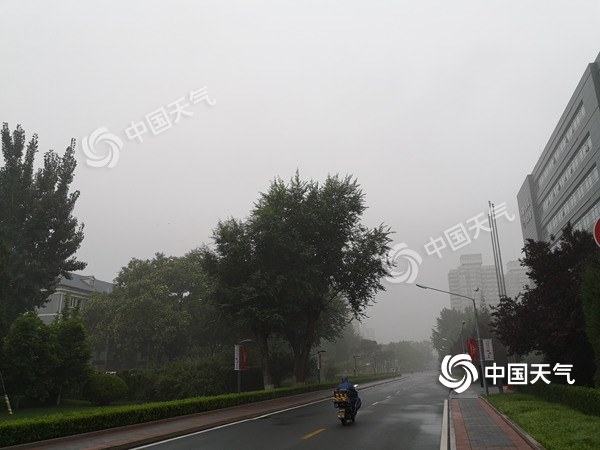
x=158 y=311
x=41 y=361
x=301 y=250
x=590 y=294
x=454 y=327
x=29 y=358
x=72 y=353
x=408 y=356
x=549 y=317
x=37 y=225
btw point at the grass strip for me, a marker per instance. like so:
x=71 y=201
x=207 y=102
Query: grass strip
x=554 y=426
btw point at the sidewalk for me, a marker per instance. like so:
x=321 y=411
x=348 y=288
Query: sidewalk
x=476 y=425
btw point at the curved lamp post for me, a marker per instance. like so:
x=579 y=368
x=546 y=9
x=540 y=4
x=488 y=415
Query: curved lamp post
x=319 y=363
x=479 y=349
x=462 y=339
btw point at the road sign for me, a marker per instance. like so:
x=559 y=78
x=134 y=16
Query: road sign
x=597 y=232
x=472 y=349
x=240 y=358
x=488 y=350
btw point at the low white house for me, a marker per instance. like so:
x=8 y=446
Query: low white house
x=80 y=288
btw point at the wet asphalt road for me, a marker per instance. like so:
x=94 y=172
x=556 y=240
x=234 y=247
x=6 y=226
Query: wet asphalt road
x=405 y=414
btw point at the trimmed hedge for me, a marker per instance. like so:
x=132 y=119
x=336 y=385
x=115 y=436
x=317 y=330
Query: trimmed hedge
x=586 y=400
x=104 y=389
x=59 y=425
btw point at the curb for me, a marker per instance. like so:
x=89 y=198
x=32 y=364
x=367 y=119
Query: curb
x=520 y=431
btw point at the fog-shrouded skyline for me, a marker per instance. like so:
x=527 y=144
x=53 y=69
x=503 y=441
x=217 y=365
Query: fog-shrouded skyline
x=435 y=107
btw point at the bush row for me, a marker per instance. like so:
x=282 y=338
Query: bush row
x=60 y=425
x=586 y=400
x=186 y=378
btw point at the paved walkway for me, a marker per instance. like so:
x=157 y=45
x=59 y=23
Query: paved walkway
x=476 y=425
x=473 y=424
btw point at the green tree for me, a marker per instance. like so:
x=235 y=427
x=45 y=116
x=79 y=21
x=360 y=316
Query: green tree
x=36 y=223
x=244 y=291
x=549 y=317
x=73 y=353
x=408 y=355
x=159 y=310
x=590 y=295
x=98 y=317
x=29 y=358
x=370 y=354
x=455 y=327
x=314 y=240
x=446 y=336
x=302 y=248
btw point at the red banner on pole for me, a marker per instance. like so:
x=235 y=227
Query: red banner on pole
x=244 y=358
x=472 y=349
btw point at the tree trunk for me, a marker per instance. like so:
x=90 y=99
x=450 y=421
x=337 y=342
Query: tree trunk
x=300 y=362
x=302 y=349
x=263 y=346
x=58 y=397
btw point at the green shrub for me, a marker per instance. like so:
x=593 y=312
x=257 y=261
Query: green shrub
x=104 y=388
x=186 y=378
x=586 y=400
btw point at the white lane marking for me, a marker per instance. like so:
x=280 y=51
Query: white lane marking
x=444 y=438
x=229 y=424
x=242 y=421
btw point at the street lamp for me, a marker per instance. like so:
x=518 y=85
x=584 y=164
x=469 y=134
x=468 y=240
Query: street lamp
x=479 y=349
x=355 y=356
x=239 y=370
x=319 y=363
x=462 y=339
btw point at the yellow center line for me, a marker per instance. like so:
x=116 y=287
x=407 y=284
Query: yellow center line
x=308 y=436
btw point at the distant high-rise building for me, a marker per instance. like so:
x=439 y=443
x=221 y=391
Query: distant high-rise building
x=474 y=280
x=516 y=278
x=564 y=185
x=363 y=331
x=478 y=281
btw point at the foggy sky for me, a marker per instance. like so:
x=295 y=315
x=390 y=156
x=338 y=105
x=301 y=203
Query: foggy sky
x=436 y=108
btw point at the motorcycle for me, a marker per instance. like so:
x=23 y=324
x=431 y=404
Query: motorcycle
x=341 y=401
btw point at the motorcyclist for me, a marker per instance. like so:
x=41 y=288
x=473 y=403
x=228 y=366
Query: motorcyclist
x=353 y=394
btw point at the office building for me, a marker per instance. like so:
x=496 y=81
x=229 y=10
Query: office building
x=564 y=185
